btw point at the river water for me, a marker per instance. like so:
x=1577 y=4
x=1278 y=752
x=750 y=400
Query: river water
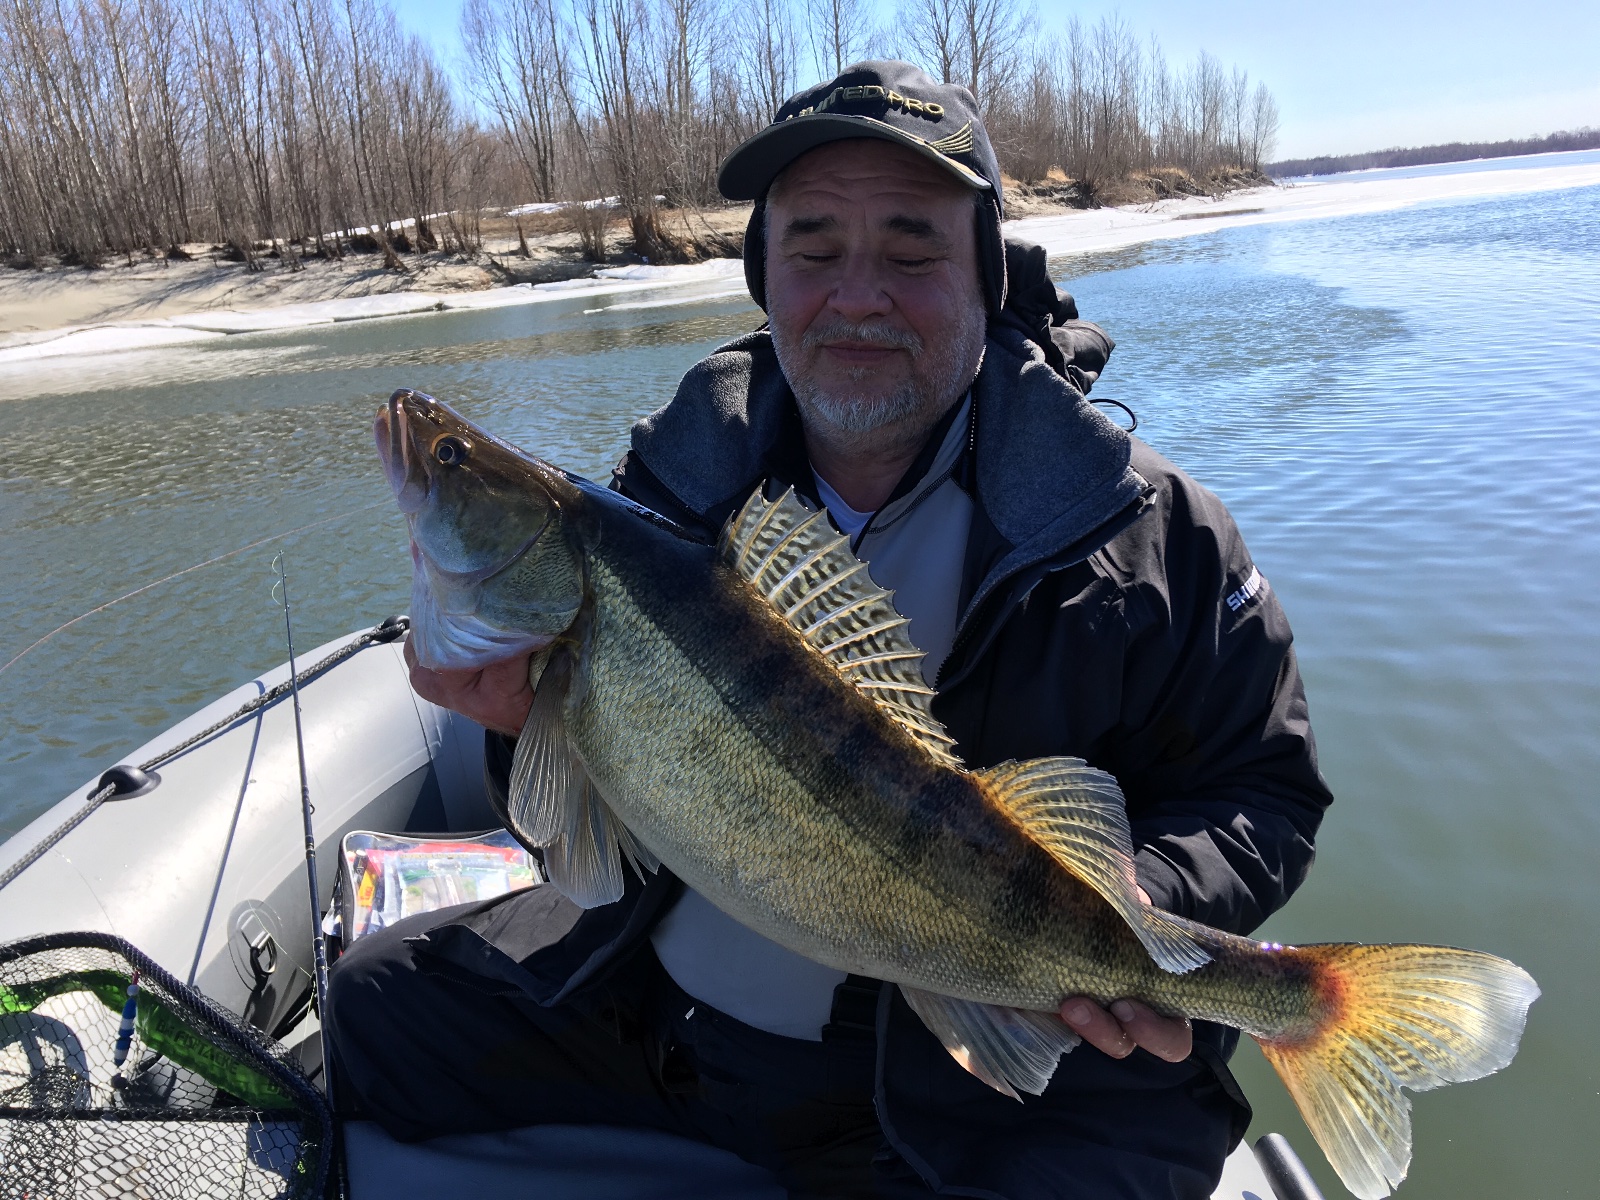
x=1401 y=409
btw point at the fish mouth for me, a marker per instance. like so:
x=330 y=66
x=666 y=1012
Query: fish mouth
x=403 y=446
x=403 y=466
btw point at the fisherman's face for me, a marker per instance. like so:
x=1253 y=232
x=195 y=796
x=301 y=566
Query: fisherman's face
x=872 y=288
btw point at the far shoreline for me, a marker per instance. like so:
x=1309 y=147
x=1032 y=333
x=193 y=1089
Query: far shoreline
x=62 y=311
x=36 y=303
x=518 y=247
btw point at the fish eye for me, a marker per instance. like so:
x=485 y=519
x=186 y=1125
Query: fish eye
x=450 y=451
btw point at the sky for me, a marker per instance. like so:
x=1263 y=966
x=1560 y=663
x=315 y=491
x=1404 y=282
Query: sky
x=1348 y=76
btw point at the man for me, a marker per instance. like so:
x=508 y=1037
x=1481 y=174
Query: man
x=1075 y=593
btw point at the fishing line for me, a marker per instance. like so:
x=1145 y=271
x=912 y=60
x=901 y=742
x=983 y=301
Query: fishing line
x=176 y=574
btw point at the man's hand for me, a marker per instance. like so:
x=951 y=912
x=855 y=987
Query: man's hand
x=497 y=696
x=1127 y=1023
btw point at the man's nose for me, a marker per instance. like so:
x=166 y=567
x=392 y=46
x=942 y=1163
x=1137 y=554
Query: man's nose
x=860 y=292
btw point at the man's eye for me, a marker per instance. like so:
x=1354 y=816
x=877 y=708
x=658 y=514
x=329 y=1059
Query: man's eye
x=818 y=258
x=912 y=263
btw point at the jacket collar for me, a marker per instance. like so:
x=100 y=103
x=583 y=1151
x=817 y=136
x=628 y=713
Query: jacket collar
x=1049 y=469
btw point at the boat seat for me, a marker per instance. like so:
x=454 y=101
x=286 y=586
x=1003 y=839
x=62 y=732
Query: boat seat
x=601 y=1162
x=550 y=1162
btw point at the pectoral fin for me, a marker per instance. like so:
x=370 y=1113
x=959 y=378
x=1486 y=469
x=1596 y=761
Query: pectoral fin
x=1010 y=1049
x=1078 y=814
x=585 y=861
x=546 y=779
x=553 y=804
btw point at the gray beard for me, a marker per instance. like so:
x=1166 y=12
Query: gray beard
x=857 y=414
x=936 y=380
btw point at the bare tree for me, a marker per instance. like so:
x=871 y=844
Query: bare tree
x=315 y=50
x=518 y=70
x=1263 y=138
x=290 y=127
x=839 y=33
x=932 y=34
x=369 y=123
x=770 y=54
x=616 y=44
x=687 y=60
x=991 y=33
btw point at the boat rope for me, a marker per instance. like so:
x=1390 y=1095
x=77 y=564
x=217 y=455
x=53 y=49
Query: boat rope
x=120 y=781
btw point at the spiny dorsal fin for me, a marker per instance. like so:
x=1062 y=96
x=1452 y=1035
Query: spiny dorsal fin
x=806 y=571
x=1078 y=814
x=552 y=803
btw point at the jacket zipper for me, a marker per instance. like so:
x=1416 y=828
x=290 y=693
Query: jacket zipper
x=964 y=631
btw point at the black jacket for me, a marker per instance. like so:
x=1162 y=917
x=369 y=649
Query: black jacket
x=1110 y=611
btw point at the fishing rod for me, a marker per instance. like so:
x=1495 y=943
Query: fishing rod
x=319 y=945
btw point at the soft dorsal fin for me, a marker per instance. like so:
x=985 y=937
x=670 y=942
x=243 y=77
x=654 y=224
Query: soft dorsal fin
x=1078 y=815
x=804 y=568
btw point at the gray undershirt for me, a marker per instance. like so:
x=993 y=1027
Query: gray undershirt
x=916 y=547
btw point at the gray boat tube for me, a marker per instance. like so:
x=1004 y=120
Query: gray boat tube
x=205 y=871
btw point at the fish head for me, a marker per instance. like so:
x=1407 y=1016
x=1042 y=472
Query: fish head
x=498 y=537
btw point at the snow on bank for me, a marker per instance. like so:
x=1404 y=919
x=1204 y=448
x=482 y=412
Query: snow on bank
x=204 y=326
x=100 y=339
x=1324 y=197
x=547 y=207
x=721 y=279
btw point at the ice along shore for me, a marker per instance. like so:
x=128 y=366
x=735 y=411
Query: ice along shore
x=42 y=313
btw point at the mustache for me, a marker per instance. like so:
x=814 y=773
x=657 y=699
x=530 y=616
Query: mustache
x=885 y=336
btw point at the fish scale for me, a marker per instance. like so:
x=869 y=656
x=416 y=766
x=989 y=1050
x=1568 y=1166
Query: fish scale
x=752 y=716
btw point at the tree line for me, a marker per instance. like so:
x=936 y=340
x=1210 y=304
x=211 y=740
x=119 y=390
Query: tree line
x=299 y=126
x=320 y=127
x=1449 y=152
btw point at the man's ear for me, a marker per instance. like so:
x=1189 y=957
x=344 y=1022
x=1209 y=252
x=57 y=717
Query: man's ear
x=755 y=254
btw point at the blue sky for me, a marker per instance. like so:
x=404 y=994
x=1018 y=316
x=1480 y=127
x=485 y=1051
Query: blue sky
x=1356 y=75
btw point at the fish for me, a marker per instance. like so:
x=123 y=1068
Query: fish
x=752 y=715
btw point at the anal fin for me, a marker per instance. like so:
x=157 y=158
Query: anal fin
x=1010 y=1049
x=553 y=804
x=1078 y=815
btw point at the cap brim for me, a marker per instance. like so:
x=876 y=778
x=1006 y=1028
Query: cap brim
x=748 y=172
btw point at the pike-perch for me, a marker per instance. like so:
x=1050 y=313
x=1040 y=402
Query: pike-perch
x=752 y=715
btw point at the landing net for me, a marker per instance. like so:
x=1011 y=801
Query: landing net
x=200 y=1105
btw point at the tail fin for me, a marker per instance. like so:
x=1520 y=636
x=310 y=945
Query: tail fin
x=1398 y=1016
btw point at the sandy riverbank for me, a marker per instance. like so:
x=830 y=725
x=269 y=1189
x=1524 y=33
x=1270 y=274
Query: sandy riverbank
x=161 y=298
x=60 y=312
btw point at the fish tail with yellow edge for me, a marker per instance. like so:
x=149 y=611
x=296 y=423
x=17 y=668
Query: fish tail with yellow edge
x=1388 y=1017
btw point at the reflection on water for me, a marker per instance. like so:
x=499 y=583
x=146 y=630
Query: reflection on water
x=1399 y=409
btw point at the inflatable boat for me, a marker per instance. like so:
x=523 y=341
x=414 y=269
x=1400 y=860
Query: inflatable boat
x=193 y=852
